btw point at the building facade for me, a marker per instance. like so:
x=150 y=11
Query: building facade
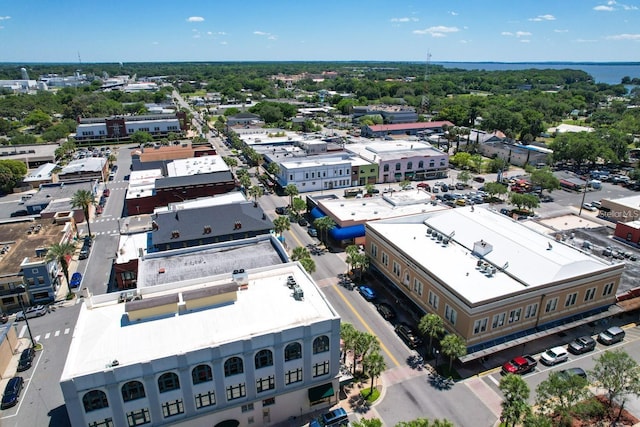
x=119 y=128
x=251 y=350
x=491 y=279
x=316 y=173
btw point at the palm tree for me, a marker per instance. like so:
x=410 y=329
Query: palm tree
x=255 y=192
x=299 y=253
x=291 y=190
x=60 y=252
x=453 y=346
x=431 y=325
x=348 y=335
x=232 y=162
x=324 y=224
x=280 y=224
x=308 y=264
x=84 y=199
x=364 y=344
x=352 y=253
x=514 y=405
x=374 y=365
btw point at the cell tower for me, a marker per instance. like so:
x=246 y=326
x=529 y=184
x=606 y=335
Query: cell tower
x=425 y=97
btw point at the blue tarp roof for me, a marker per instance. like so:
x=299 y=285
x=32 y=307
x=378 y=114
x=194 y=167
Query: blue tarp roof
x=340 y=233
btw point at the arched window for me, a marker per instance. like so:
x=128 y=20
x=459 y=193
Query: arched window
x=409 y=165
x=386 y=167
x=292 y=351
x=168 y=381
x=94 y=399
x=321 y=344
x=398 y=166
x=264 y=358
x=132 y=390
x=233 y=366
x=201 y=374
x=421 y=164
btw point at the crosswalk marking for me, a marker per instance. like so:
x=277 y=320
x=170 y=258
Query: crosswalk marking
x=57 y=333
x=47 y=335
x=66 y=331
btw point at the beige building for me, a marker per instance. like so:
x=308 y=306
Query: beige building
x=494 y=281
x=624 y=209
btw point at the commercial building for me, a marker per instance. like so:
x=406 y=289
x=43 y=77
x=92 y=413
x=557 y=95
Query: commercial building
x=23 y=250
x=315 y=173
x=120 y=128
x=42 y=175
x=54 y=200
x=32 y=155
x=390 y=113
x=624 y=209
x=157 y=156
x=403 y=160
x=235 y=348
x=380 y=131
x=495 y=282
x=91 y=168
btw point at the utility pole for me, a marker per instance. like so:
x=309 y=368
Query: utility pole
x=425 y=97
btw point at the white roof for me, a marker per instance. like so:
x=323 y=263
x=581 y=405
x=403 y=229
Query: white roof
x=90 y=164
x=632 y=202
x=400 y=203
x=529 y=259
x=313 y=161
x=221 y=199
x=570 y=128
x=43 y=172
x=103 y=333
x=385 y=150
x=196 y=165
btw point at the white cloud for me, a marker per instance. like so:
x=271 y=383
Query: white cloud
x=603 y=8
x=546 y=17
x=196 y=36
x=585 y=41
x=560 y=31
x=272 y=38
x=261 y=33
x=223 y=43
x=525 y=41
x=404 y=19
x=4 y=18
x=209 y=33
x=624 y=37
x=506 y=33
x=437 y=31
x=522 y=34
x=195 y=19
x=454 y=13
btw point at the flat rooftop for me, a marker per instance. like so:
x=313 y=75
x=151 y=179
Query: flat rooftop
x=389 y=150
x=58 y=190
x=388 y=205
x=162 y=268
x=524 y=258
x=195 y=165
x=315 y=161
x=632 y=202
x=90 y=164
x=104 y=332
x=21 y=238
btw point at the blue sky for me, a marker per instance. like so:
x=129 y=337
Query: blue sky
x=282 y=30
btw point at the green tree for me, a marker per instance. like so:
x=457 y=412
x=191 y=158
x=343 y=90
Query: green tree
x=373 y=364
x=514 y=405
x=11 y=172
x=300 y=252
x=291 y=190
x=495 y=188
x=453 y=346
x=619 y=374
x=476 y=162
x=464 y=177
x=256 y=192
x=368 y=422
x=232 y=162
x=273 y=168
x=461 y=159
x=352 y=252
x=545 y=178
x=432 y=326
x=298 y=206
x=558 y=394
x=308 y=264
x=62 y=253
x=84 y=199
x=38 y=119
x=348 y=335
x=141 y=137
x=364 y=344
x=281 y=223
x=528 y=201
x=324 y=225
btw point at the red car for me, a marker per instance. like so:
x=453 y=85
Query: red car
x=424 y=185
x=106 y=192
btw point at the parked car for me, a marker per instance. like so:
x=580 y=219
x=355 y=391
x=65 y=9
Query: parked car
x=12 y=392
x=520 y=365
x=302 y=222
x=408 y=335
x=35 y=311
x=337 y=417
x=554 y=356
x=368 y=293
x=582 y=345
x=312 y=232
x=84 y=251
x=76 y=279
x=106 y=192
x=21 y=212
x=87 y=240
x=386 y=311
x=566 y=373
x=26 y=358
x=281 y=210
x=612 y=335
x=425 y=186
x=478 y=179
x=589 y=207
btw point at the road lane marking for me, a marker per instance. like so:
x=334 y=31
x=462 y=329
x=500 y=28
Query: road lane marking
x=47 y=335
x=57 y=333
x=66 y=331
x=23 y=330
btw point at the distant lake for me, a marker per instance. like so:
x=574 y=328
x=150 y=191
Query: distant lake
x=605 y=72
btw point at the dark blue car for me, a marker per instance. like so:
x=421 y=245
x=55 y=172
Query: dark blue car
x=12 y=392
x=368 y=293
x=76 y=279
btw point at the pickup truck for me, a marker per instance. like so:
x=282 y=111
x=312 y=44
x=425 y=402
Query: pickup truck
x=520 y=365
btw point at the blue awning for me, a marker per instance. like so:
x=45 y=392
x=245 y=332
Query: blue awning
x=347 y=233
x=317 y=213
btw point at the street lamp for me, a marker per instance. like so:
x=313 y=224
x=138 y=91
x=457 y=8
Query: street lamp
x=437 y=353
x=19 y=291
